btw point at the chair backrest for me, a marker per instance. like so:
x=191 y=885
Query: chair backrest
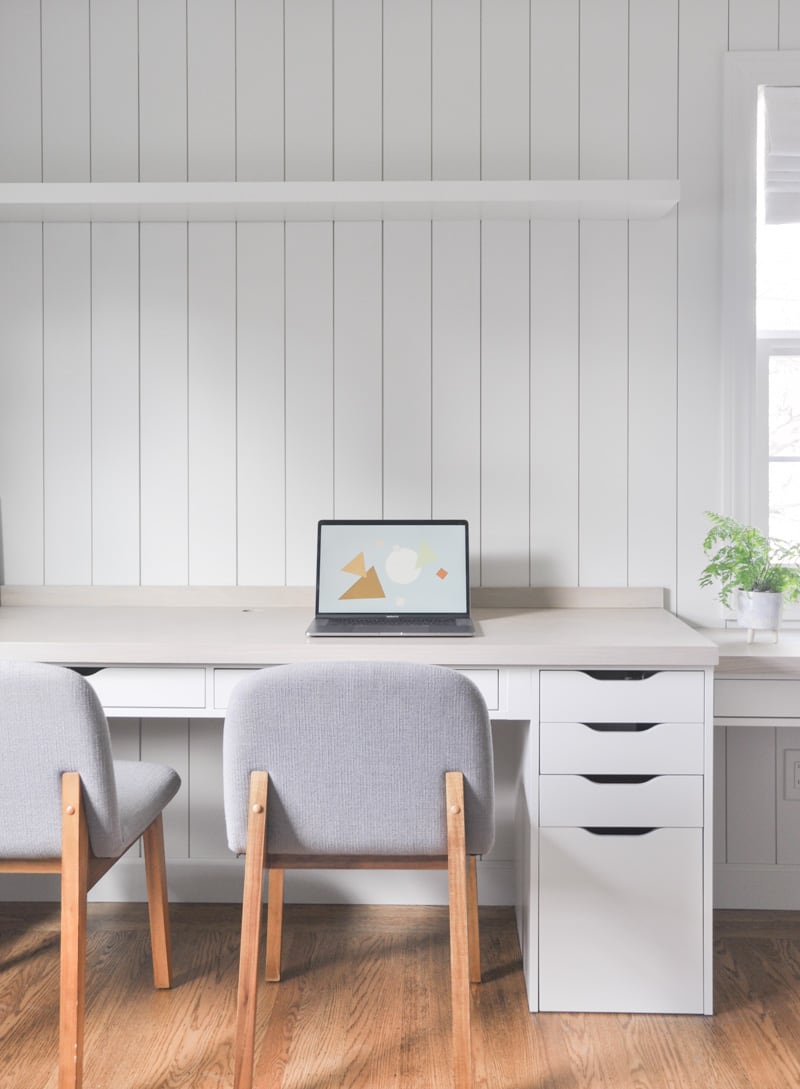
x=356 y=754
x=51 y=721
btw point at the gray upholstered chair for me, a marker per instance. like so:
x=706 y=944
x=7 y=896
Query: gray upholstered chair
x=68 y=808
x=382 y=764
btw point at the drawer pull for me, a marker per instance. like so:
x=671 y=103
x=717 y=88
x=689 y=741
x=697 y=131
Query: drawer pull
x=603 y=831
x=86 y=671
x=620 y=674
x=620 y=727
x=619 y=778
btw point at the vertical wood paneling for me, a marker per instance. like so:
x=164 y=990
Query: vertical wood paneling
x=406 y=89
x=753 y=24
x=789 y=24
x=652 y=489
x=162 y=90
x=604 y=89
x=259 y=90
x=166 y=741
x=67 y=405
x=603 y=404
x=65 y=90
x=114 y=90
x=21 y=391
x=163 y=399
x=407 y=370
x=750 y=774
x=20 y=92
x=212 y=404
x=653 y=123
x=204 y=791
x=357 y=74
x=456 y=89
x=115 y=403
x=309 y=393
x=261 y=492
x=456 y=379
x=505 y=404
x=555 y=82
x=703 y=40
x=554 y=395
x=358 y=379
x=211 y=90
x=505 y=83
x=309 y=89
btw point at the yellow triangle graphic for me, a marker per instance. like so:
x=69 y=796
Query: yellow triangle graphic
x=368 y=586
x=425 y=555
x=357 y=566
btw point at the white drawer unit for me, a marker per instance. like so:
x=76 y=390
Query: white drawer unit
x=621 y=696
x=621 y=815
x=487 y=681
x=621 y=802
x=761 y=698
x=150 y=686
x=225 y=680
x=658 y=748
x=621 y=921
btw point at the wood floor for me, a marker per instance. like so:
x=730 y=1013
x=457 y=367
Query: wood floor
x=364 y=1005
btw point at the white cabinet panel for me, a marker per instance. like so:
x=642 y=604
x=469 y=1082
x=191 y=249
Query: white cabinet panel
x=505 y=89
x=574 y=696
x=115 y=90
x=65 y=90
x=653 y=99
x=20 y=92
x=604 y=89
x=308 y=84
x=259 y=90
x=621 y=921
x=674 y=801
x=555 y=80
x=756 y=698
x=456 y=89
x=406 y=89
x=162 y=90
x=211 y=88
x=149 y=686
x=674 y=748
x=357 y=75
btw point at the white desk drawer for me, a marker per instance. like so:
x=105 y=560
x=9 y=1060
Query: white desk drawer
x=225 y=680
x=666 y=748
x=666 y=801
x=603 y=696
x=487 y=681
x=621 y=921
x=770 y=698
x=150 y=686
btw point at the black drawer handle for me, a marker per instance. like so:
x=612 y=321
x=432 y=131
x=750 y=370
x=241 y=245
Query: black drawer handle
x=619 y=778
x=603 y=831
x=620 y=674
x=87 y=671
x=620 y=727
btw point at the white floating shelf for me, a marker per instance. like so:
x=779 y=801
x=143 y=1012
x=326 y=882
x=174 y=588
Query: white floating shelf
x=333 y=200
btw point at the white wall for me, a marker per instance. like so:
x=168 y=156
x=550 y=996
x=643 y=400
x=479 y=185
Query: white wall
x=180 y=404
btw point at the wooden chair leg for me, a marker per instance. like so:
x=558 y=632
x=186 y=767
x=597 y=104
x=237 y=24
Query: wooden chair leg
x=158 y=903
x=274 y=925
x=74 y=887
x=474 y=932
x=459 y=931
x=244 y=1042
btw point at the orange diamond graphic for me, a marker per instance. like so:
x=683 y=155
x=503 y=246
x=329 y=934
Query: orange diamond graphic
x=441 y=573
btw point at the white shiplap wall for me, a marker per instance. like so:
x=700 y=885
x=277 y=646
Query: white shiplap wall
x=183 y=402
x=180 y=403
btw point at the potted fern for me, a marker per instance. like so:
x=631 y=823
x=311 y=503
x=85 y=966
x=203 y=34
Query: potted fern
x=758 y=572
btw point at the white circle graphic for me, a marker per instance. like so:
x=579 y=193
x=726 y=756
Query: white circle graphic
x=401 y=565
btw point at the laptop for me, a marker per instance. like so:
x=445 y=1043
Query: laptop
x=392 y=578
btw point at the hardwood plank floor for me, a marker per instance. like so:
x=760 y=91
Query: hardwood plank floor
x=364 y=1004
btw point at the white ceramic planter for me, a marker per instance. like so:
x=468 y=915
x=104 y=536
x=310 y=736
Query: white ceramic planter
x=759 y=611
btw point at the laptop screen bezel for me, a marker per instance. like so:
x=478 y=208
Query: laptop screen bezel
x=327 y=615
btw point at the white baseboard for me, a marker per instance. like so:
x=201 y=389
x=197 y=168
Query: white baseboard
x=210 y=881
x=757 y=887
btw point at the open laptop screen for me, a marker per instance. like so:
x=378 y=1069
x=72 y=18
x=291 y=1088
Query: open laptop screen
x=392 y=567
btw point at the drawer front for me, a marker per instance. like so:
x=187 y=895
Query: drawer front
x=667 y=748
x=621 y=921
x=225 y=680
x=150 y=686
x=575 y=696
x=487 y=681
x=756 y=698
x=666 y=801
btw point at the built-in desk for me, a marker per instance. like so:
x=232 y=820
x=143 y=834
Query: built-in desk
x=607 y=822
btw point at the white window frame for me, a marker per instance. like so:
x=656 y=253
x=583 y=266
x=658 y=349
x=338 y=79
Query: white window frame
x=744 y=355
